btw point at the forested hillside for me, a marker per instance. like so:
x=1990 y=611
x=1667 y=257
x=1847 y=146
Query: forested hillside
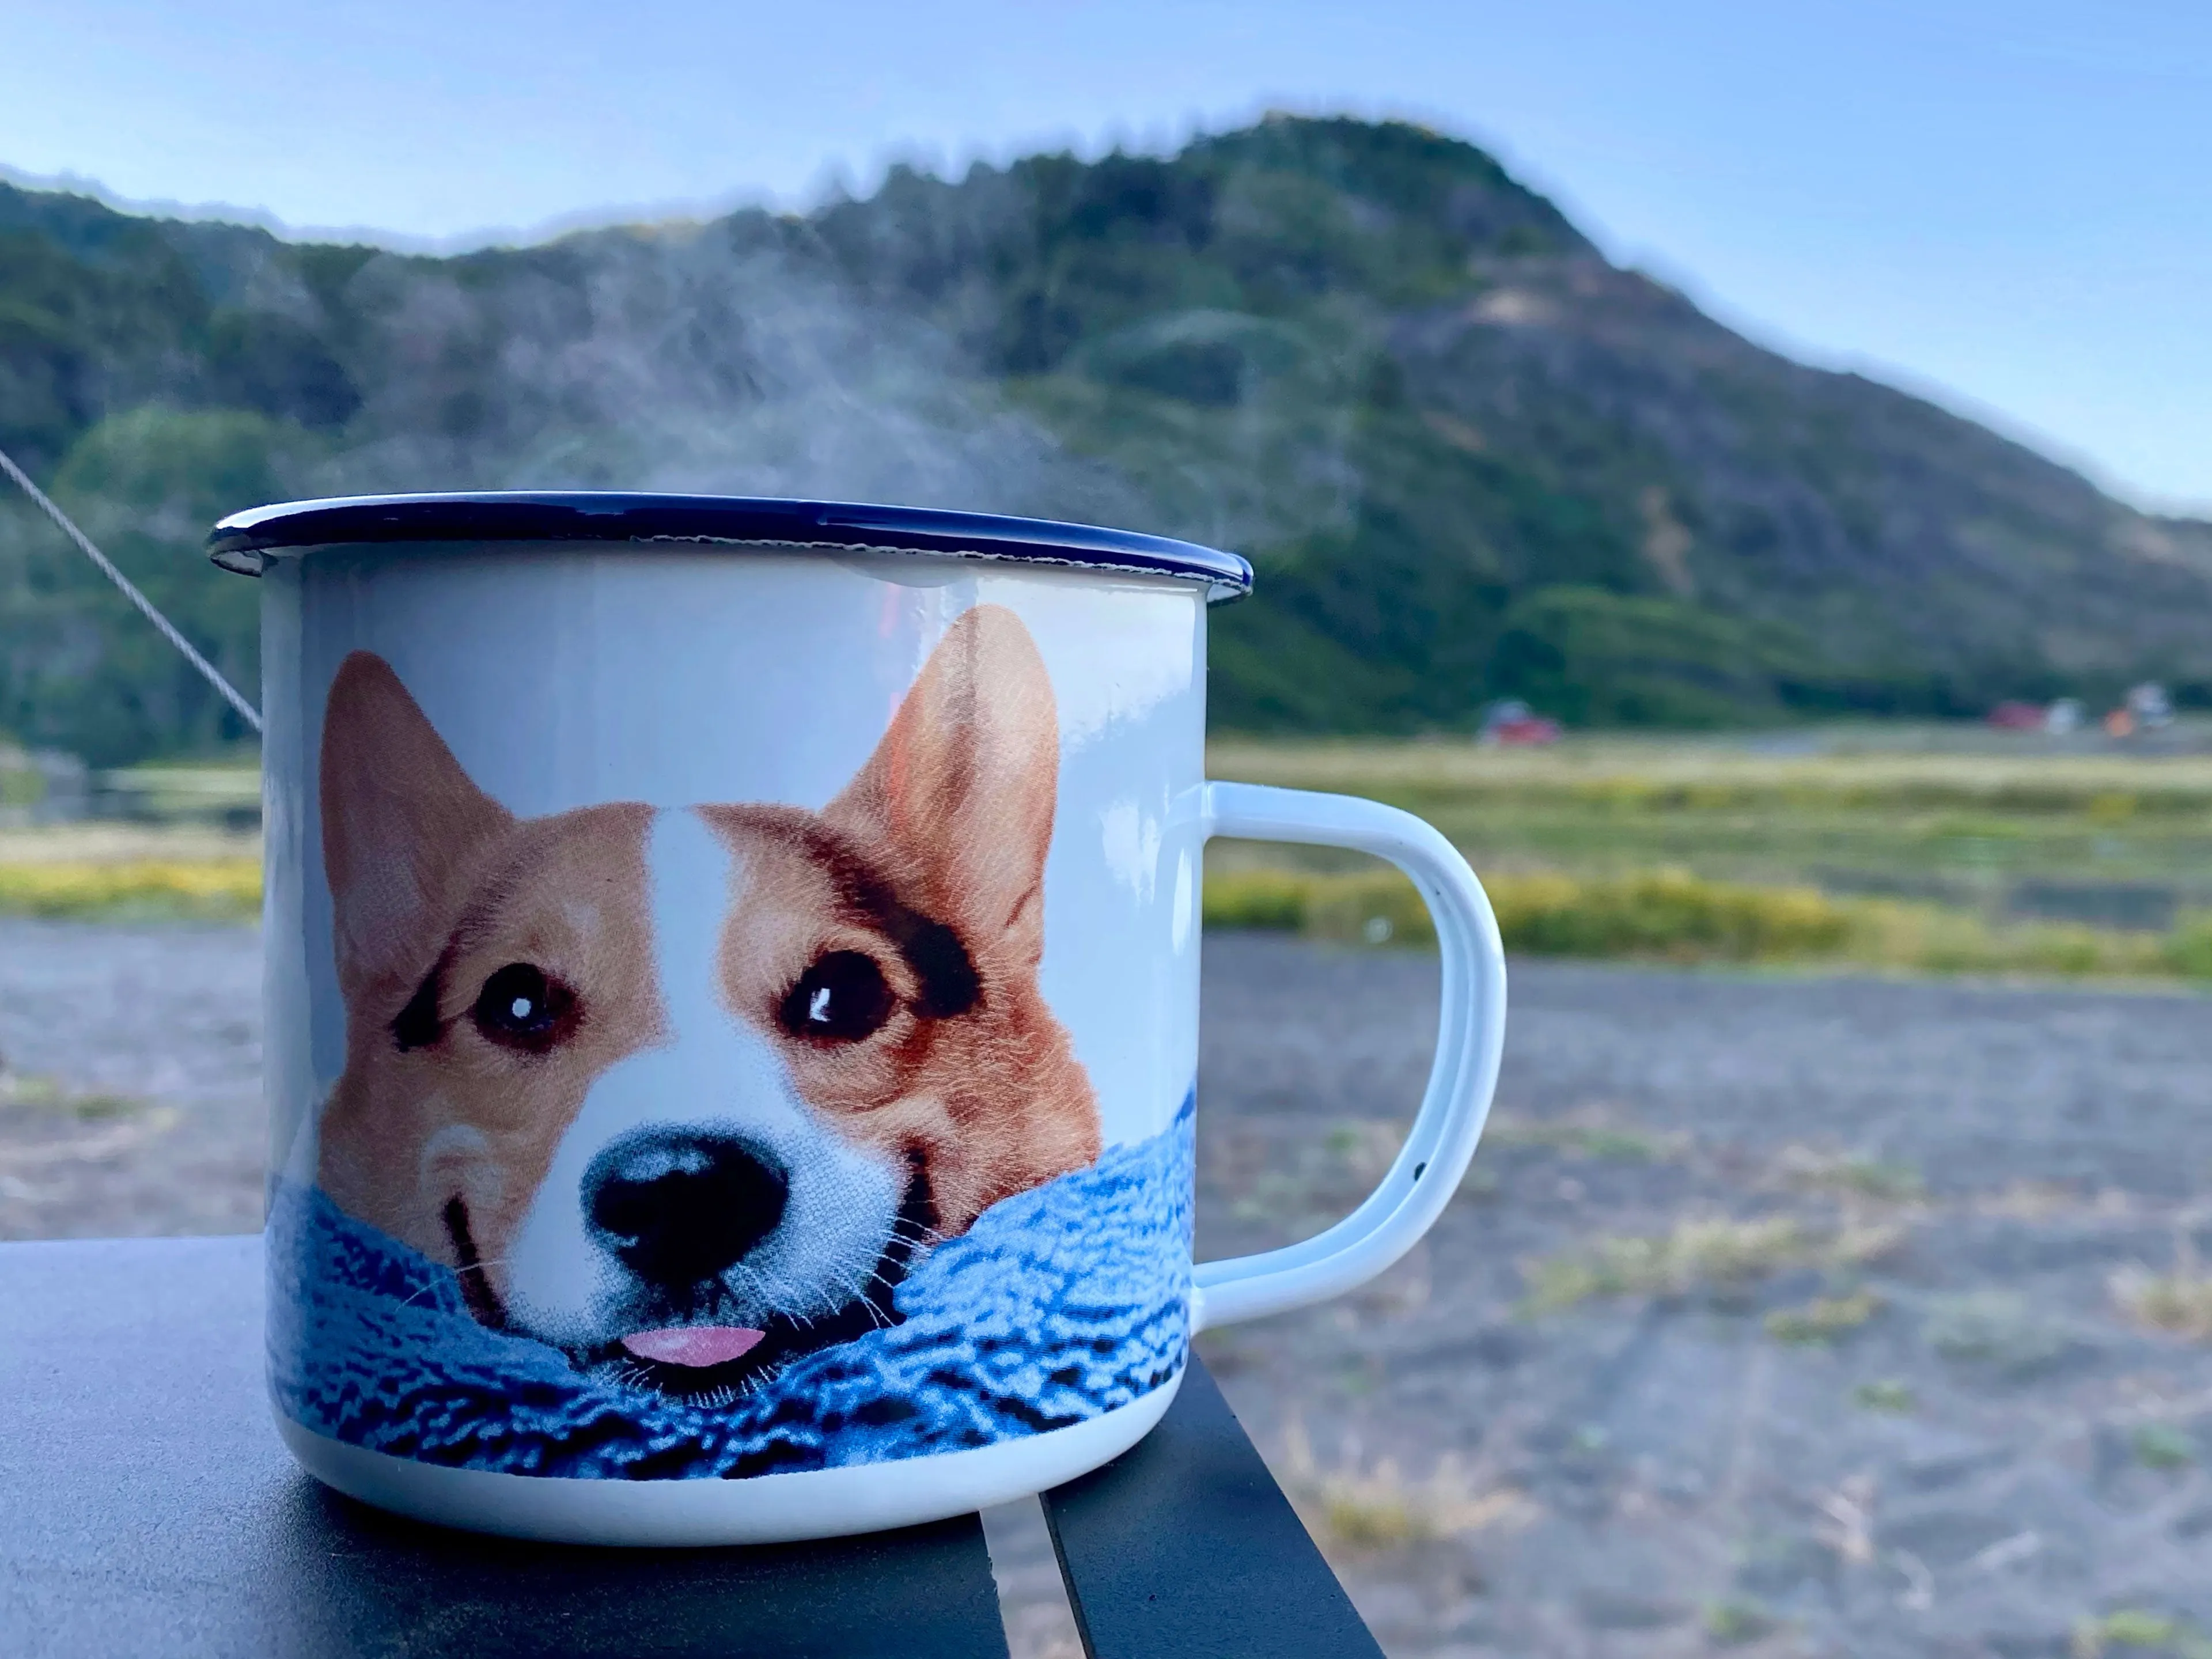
x=1469 y=457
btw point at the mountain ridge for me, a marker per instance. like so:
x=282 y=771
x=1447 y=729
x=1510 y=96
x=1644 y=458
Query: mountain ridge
x=1469 y=456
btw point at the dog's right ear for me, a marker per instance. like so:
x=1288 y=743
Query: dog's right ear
x=400 y=817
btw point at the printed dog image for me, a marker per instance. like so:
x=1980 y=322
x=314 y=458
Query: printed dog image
x=684 y=1093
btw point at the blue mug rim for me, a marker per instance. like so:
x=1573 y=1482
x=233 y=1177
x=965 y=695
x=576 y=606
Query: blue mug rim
x=242 y=542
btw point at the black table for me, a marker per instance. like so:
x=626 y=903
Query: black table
x=147 y=1508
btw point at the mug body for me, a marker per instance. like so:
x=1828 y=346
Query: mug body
x=732 y=1020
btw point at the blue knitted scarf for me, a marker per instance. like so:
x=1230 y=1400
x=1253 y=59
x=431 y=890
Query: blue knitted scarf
x=1059 y=1304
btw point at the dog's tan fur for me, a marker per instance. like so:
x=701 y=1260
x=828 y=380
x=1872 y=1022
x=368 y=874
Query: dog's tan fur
x=433 y=883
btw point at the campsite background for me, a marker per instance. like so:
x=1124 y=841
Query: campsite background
x=1754 y=517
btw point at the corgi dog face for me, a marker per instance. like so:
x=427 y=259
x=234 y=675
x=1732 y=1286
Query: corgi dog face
x=684 y=1092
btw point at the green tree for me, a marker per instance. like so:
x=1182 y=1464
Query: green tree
x=81 y=670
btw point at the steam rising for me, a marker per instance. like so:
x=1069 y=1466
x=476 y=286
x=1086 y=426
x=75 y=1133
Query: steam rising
x=685 y=361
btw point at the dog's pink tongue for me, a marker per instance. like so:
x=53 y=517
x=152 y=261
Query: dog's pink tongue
x=693 y=1345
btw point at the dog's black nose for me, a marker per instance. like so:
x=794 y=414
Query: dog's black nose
x=678 y=1208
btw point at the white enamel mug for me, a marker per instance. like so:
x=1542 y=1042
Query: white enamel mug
x=733 y=995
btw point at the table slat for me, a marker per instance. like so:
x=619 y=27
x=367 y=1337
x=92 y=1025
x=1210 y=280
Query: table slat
x=1185 y=1546
x=147 y=1507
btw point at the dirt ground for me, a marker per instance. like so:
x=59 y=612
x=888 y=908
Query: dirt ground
x=130 y=1080
x=1993 y=1456
x=1859 y=1384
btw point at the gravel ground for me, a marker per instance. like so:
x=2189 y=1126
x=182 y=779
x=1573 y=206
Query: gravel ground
x=1994 y=1456
x=130 y=1080
x=1900 y=1410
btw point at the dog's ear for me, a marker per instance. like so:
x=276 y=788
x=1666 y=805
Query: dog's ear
x=959 y=794
x=399 y=817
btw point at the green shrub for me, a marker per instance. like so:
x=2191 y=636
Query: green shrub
x=214 y=890
x=2189 y=947
x=2163 y=1446
x=1257 y=898
x=1665 y=913
x=1884 y=1395
x=1377 y=909
x=1672 y=916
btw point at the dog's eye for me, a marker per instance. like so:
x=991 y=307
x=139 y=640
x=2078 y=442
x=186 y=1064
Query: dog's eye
x=841 y=999
x=519 y=1008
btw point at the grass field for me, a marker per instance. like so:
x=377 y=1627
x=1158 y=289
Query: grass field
x=1671 y=916
x=1947 y=855
x=1973 y=828
x=197 y=890
x=1956 y=859
x=130 y=872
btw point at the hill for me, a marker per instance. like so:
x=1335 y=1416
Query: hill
x=1470 y=457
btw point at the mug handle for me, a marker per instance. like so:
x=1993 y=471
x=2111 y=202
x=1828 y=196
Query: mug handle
x=1470 y=1034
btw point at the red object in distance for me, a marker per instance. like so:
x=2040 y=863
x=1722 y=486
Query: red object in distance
x=1528 y=730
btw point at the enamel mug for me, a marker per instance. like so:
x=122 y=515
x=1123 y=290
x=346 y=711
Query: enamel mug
x=732 y=1007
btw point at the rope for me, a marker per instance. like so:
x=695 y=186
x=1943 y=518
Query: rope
x=213 y=675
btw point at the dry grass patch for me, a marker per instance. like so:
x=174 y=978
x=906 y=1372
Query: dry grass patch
x=1732 y=1624
x=1850 y=1176
x=1585 y=1134
x=1886 y=1394
x=2135 y=1630
x=1706 y=1251
x=2028 y=1200
x=1824 y=1319
x=2179 y=1302
x=47 y=1094
x=1374 y=1507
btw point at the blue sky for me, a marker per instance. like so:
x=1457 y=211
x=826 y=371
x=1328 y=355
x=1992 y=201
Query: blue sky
x=2008 y=206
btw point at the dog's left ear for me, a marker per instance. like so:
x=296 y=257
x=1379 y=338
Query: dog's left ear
x=958 y=796
x=399 y=817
